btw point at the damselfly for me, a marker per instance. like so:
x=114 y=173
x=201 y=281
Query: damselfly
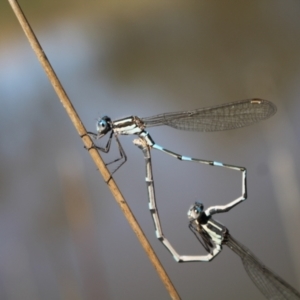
x=213 y=235
x=216 y=118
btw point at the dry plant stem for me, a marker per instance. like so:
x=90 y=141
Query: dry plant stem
x=94 y=153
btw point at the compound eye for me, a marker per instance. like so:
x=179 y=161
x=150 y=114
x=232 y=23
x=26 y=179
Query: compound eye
x=102 y=126
x=199 y=206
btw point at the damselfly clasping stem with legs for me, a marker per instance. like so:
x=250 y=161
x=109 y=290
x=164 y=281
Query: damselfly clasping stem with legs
x=213 y=235
x=216 y=118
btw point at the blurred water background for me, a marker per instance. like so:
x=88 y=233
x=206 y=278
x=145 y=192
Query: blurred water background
x=62 y=234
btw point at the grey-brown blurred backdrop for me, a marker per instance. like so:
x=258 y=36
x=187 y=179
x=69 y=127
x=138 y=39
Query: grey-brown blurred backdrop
x=62 y=236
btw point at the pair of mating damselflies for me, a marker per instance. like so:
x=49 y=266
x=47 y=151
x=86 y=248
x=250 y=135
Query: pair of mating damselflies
x=209 y=232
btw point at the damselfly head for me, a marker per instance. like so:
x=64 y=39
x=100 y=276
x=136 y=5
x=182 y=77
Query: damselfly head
x=195 y=211
x=103 y=125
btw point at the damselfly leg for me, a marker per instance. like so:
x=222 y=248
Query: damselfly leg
x=106 y=149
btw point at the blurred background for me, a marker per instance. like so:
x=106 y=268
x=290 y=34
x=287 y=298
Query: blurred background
x=62 y=234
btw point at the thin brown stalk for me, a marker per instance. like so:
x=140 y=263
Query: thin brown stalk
x=94 y=153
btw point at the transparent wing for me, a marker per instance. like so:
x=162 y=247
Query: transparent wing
x=221 y=117
x=272 y=286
